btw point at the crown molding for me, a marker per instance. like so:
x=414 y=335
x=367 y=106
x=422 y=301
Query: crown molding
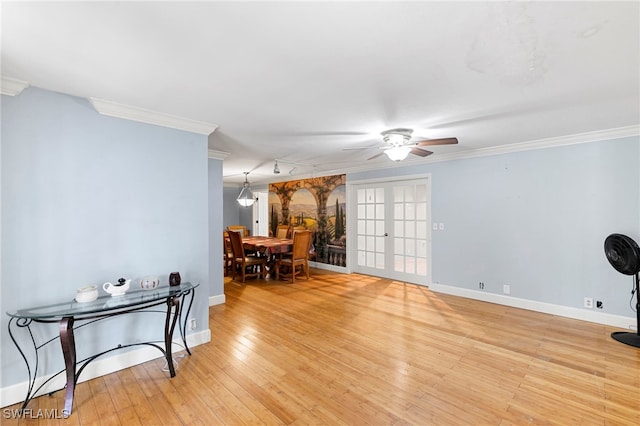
x=588 y=137
x=579 y=138
x=142 y=115
x=218 y=155
x=12 y=86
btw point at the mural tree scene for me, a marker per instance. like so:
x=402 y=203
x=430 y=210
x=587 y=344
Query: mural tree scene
x=317 y=204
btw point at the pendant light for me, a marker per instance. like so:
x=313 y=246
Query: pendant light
x=246 y=198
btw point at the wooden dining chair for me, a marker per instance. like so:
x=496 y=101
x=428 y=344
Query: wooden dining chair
x=247 y=266
x=297 y=261
x=228 y=254
x=282 y=231
x=239 y=228
x=296 y=228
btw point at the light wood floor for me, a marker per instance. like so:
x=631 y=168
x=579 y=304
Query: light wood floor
x=355 y=350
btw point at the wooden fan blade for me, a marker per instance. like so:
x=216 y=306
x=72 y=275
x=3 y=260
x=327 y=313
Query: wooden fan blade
x=443 y=141
x=421 y=152
x=376 y=156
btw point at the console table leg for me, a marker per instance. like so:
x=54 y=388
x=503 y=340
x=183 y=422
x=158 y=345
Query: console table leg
x=183 y=325
x=69 y=351
x=169 y=326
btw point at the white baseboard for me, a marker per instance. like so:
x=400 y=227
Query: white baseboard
x=218 y=299
x=16 y=393
x=626 y=323
x=328 y=267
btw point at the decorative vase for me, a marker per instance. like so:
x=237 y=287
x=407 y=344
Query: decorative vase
x=174 y=278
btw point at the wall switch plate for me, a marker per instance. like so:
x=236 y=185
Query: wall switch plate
x=435 y=226
x=441 y=226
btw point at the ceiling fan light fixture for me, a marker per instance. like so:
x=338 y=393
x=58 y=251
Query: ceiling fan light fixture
x=246 y=197
x=396 y=139
x=398 y=153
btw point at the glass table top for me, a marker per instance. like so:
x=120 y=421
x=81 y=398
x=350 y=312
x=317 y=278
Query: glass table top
x=104 y=304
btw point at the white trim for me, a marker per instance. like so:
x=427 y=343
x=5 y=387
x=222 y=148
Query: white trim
x=600 y=135
x=217 y=155
x=624 y=323
x=218 y=299
x=426 y=175
x=114 y=109
x=328 y=267
x=12 y=86
x=388 y=184
x=15 y=393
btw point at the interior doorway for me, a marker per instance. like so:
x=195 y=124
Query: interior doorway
x=392 y=230
x=261 y=214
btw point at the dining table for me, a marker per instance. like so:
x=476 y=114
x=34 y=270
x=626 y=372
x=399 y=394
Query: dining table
x=270 y=247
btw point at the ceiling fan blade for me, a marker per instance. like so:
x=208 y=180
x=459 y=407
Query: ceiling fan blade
x=354 y=148
x=443 y=141
x=375 y=156
x=420 y=152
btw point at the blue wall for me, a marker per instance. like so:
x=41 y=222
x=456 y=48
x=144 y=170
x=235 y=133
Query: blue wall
x=216 y=273
x=234 y=214
x=87 y=199
x=535 y=220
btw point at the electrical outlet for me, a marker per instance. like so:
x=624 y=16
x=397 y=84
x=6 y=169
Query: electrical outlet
x=481 y=285
x=588 y=302
x=192 y=324
x=506 y=289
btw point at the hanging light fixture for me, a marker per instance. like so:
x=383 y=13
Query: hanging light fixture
x=276 y=169
x=246 y=198
x=398 y=153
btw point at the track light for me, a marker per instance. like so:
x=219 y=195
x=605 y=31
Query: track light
x=276 y=169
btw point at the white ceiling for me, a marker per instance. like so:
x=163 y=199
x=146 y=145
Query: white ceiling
x=300 y=81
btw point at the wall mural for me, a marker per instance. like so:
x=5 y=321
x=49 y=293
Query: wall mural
x=317 y=204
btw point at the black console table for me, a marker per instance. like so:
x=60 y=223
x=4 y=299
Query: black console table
x=72 y=315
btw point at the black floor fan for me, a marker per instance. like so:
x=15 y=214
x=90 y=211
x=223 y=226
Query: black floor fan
x=624 y=255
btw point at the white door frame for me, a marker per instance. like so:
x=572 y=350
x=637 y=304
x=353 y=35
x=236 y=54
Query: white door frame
x=352 y=258
x=261 y=214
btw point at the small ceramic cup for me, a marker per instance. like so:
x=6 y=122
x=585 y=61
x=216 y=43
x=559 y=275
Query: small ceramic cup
x=149 y=282
x=87 y=294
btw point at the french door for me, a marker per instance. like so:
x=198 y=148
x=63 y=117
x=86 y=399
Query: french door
x=393 y=233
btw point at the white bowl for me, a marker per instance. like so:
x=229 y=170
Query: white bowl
x=87 y=294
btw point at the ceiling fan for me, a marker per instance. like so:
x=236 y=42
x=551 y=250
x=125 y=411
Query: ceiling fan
x=398 y=145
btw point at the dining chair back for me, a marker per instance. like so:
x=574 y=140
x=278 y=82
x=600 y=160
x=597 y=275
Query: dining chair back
x=282 y=231
x=239 y=228
x=228 y=253
x=298 y=261
x=296 y=229
x=247 y=266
